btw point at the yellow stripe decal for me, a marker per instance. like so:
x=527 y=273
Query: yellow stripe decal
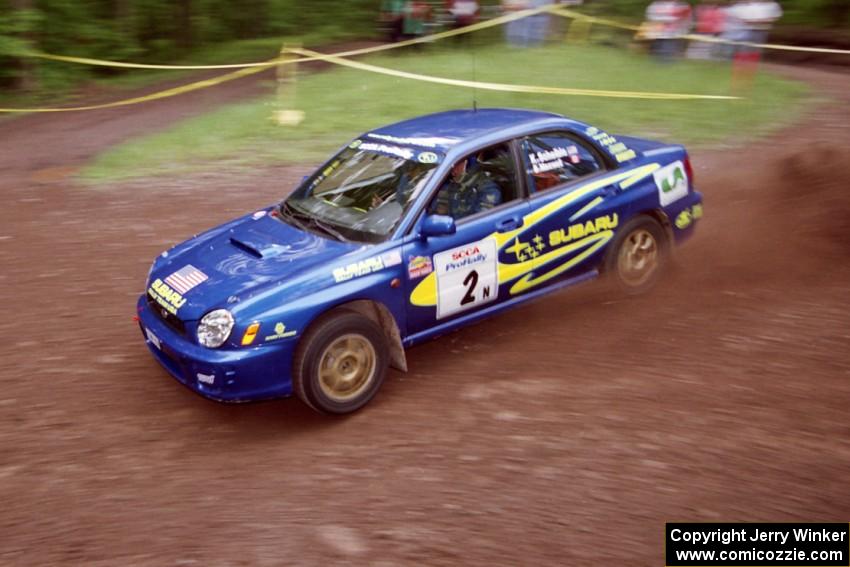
x=425 y=293
x=586 y=208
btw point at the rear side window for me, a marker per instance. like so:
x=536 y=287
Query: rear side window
x=555 y=158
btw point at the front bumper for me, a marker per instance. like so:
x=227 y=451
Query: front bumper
x=226 y=374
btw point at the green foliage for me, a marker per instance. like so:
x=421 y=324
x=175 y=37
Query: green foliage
x=158 y=31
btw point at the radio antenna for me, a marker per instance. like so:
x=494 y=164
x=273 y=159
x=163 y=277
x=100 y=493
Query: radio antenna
x=474 y=78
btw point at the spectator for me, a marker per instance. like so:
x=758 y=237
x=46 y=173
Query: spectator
x=667 y=21
x=530 y=31
x=710 y=18
x=758 y=17
x=515 y=30
x=392 y=18
x=755 y=18
x=463 y=12
x=416 y=14
x=539 y=24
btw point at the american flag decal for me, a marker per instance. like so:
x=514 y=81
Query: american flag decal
x=186 y=278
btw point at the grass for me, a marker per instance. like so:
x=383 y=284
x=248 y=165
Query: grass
x=340 y=103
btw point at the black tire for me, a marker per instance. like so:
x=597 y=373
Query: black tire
x=330 y=375
x=649 y=232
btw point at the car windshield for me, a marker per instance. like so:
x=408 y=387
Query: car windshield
x=363 y=192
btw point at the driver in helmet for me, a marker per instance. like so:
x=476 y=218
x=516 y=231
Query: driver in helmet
x=467 y=191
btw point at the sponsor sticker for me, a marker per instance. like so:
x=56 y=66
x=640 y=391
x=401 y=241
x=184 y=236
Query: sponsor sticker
x=357 y=269
x=422 y=142
x=186 y=278
x=397 y=151
x=467 y=277
x=391 y=258
x=166 y=297
x=427 y=157
x=687 y=217
x=258 y=215
x=280 y=332
x=548 y=160
x=206 y=378
x=418 y=266
x=625 y=156
x=672 y=183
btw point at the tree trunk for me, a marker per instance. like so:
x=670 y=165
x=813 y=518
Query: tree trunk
x=183 y=35
x=122 y=10
x=26 y=77
x=837 y=13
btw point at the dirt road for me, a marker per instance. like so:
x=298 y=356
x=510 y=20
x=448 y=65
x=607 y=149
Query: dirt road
x=565 y=432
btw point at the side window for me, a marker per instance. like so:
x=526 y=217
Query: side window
x=555 y=158
x=479 y=182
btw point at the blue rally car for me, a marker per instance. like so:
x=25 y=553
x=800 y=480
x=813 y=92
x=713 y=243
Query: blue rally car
x=409 y=232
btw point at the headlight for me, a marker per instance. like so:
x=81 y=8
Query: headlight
x=214 y=328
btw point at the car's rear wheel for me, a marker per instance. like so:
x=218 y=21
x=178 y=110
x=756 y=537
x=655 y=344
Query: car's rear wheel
x=340 y=363
x=638 y=255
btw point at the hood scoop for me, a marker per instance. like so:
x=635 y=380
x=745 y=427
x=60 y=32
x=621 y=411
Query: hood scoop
x=258 y=245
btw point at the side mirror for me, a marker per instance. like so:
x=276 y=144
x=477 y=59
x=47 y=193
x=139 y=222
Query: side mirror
x=438 y=225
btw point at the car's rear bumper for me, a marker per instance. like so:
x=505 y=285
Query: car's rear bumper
x=225 y=375
x=684 y=215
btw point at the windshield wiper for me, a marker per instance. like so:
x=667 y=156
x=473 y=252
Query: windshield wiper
x=290 y=213
x=319 y=224
x=294 y=214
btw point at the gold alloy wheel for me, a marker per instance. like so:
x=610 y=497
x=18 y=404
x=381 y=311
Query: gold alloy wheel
x=347 y=367
x=638 y=258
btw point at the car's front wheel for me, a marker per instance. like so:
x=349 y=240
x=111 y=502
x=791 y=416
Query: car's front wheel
x=340 y=363
x=638 y=255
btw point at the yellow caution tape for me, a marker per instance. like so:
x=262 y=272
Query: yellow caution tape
x=566 y=13
x=504 y=87
x=154 y=96
x=246 y=69
x=362 y=51
x=123 y=65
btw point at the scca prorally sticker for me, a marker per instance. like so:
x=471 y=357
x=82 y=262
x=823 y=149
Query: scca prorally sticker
x=258 y=215
x=467 y=277
x=672 y=183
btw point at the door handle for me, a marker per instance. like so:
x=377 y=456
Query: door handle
x=509 y=223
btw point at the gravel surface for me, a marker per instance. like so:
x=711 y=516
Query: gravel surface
x=564 y=432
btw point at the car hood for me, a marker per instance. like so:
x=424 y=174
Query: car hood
x=230 y=263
